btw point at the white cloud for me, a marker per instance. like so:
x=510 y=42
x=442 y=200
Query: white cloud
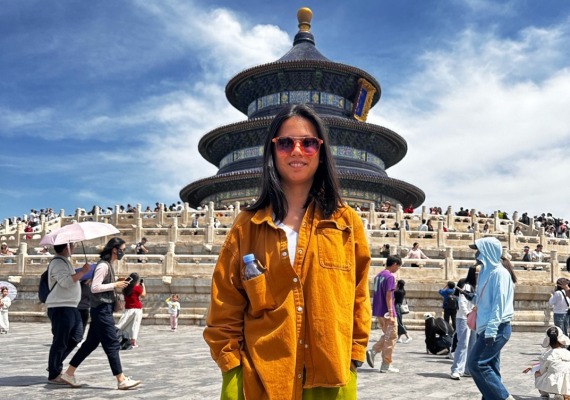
x=15 y=119
x=168 y=127
x=224 y=43
x=495 y=131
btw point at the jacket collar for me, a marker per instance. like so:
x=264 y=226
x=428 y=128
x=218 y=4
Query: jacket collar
x=266 y=214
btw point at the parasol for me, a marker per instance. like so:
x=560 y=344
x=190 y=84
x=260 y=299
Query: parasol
x=78 y=232
x=12 y=291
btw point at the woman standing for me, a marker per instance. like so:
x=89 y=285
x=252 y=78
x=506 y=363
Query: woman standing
x=495 y=308
x=399 y=298
x=465 y=340
x=131 y=319
x=102 y=329
x=560 y=304
x=300 y=327
x=416 y=253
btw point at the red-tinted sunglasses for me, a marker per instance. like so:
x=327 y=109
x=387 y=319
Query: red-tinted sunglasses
x=309 y=145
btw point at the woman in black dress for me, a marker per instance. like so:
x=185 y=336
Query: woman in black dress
x=399 y=297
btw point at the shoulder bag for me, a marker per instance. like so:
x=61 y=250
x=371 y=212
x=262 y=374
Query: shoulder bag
x=404 y=308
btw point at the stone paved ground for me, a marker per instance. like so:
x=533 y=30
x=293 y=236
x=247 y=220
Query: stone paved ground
x=178 y=366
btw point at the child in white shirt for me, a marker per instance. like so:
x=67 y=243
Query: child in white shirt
x=5 y=302
x=554 y=373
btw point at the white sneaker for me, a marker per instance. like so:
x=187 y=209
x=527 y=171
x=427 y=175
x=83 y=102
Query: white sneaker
x=408 y=340
x=70 y=380
x=388 y=368
x=128 y=383
x=455 y=376
x=399 y=341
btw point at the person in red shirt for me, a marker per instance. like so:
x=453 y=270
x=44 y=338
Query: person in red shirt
x=131 y=319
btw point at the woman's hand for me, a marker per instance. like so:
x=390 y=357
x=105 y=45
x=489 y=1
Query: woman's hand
x=86 y=268
x=121 y=284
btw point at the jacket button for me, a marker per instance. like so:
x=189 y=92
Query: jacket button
x=299 y=309
x=284 y=254
x=295 y=280
x=299 y=376
x=300 y=251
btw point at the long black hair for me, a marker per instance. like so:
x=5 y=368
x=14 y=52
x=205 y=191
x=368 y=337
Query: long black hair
x=552 y=334
x=325 y=189
x=509 y=267
x=113 y=243
x=472 y=277
x=135 y=279
x=400 y=286
x=460 y=285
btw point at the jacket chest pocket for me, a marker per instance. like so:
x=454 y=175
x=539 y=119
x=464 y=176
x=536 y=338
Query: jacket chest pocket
x=335 y=245
x=259 y=295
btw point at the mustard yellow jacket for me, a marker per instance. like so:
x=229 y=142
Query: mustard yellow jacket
x=291 y=327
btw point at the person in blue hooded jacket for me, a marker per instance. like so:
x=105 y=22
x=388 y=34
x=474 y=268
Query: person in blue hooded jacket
x=495 y=308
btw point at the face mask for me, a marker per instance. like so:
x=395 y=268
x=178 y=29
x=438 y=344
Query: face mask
x=120 y=254
x=478 y=257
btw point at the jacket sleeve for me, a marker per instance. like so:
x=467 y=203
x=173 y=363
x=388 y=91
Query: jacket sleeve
x=362 y=306
x=552 y=299
x=224 y=323
x=61 y=273
x=497 y=306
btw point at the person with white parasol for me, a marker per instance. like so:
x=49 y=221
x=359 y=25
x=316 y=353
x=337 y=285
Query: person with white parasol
x=65 y=294
x=5 y=303
x=62 y=311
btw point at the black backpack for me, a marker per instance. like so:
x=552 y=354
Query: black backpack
x=452 y=302
x=43 y=289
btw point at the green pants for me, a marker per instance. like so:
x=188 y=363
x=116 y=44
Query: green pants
x=232 y=388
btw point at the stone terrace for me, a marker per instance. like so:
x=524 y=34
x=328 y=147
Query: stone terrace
x=182 y=258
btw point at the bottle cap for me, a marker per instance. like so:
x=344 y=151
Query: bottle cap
x=248 y=258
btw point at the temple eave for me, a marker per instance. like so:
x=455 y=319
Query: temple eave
x=401 y=191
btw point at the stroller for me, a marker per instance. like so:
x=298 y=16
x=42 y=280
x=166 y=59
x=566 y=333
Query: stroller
x=439 y=335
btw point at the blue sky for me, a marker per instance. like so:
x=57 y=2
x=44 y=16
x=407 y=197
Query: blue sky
x=104 y=102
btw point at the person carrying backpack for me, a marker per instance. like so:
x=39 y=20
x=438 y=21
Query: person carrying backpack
x=61 y=303
x=450 y=303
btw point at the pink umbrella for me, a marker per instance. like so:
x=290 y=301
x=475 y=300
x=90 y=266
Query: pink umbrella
x=78 y=232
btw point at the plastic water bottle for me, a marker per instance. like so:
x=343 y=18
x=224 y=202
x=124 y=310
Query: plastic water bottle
x=251 y=269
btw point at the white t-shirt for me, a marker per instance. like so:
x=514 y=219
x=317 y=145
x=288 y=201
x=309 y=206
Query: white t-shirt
x=292 y=238
x=558 y=301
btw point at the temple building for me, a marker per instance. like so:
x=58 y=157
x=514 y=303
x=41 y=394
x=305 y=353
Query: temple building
x=340 y=93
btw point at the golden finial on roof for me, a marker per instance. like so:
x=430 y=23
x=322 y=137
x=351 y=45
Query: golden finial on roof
x=304 y=16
